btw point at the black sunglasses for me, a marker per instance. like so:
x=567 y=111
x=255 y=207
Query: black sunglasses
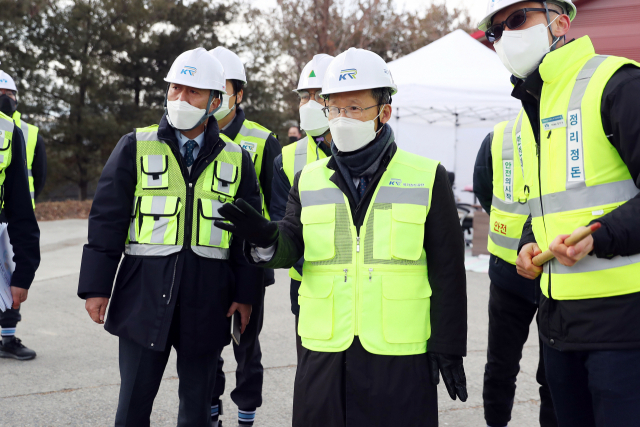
x=515 y=20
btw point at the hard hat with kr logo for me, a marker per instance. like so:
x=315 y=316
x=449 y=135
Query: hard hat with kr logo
x=495 y=6
x=233 y=67
x=198 y=68
x=357 y=69
x=6 y=82
x=313 y=73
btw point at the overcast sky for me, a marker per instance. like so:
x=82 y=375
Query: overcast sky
x=476 y=8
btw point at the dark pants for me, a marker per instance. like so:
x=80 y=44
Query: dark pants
x=249 y=375
x=509 y=319
x=141 y=372
x=10 y=318
x=595 y=388
x=356 y=388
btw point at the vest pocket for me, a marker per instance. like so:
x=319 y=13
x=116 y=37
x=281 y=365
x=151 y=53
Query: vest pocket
x=315 y=297
x=225 y=176
x=158 y=220
x=405 y=308
x=209 y=234
x=319 y=224
x=407 y=231
x=154 y=172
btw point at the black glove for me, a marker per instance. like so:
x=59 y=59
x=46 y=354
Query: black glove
x=248 y=224
x=452 y=374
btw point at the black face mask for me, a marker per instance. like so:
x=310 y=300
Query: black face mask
x=7 y=105
x=293 y=139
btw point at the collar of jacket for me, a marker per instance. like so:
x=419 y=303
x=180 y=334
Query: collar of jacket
x=235 y=125
x=212 y=144
x=391 y=151
x=562 y=60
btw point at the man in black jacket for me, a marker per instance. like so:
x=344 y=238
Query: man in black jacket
x=37 y=169
x=24 y=234
x=263 y=147
x=513 y=303
x=167 y=293
x=592 y=344
x=353 y=383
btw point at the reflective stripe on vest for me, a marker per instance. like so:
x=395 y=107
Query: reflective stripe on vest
x=253 y=137
x=509 y=210
x=158 y=212
x=375 y=284
x=294 y=158
x=582 y=177
x=6 y=138
x=30 y=134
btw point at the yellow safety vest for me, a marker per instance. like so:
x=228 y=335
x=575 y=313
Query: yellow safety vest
x=165 y=206
x=294 y=158
x=253 y=137
x=509 y=210
x=374 y=285
x=30 y=133
x=578 y=176
x=6 y=136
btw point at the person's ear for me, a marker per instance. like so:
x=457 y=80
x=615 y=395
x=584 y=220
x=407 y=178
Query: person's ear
x=385 y=115
x=561 y=26
x=214 y=104
x=239 y=96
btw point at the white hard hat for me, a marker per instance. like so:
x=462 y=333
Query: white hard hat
x=6 y=82
x=495 y=6
x=233 y=67
x=313 y=73
x=198 y=68
x=357 y=69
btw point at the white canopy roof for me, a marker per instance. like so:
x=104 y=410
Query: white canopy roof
x=455 y=75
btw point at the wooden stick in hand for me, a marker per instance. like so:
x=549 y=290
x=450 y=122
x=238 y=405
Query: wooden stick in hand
x=547 y=255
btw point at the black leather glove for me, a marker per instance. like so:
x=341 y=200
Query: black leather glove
x=452 y=374
x=248 y=224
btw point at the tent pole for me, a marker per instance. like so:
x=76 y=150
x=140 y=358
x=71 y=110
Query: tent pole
x=455 y=140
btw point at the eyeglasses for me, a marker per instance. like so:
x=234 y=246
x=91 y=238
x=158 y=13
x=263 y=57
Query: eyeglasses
x=515 y=20
x=305 y=97
x=351 y=112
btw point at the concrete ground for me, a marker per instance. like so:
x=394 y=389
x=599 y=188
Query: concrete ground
x=74 y=381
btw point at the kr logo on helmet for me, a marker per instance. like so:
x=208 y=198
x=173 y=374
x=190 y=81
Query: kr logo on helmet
x=191 y=71
x=351 y=73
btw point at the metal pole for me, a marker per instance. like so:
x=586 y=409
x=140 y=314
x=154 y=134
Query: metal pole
x=455 y=141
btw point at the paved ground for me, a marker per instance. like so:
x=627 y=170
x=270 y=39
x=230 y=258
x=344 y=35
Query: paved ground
x=74 y=380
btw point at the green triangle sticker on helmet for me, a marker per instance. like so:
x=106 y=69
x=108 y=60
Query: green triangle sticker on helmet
x=313 y=74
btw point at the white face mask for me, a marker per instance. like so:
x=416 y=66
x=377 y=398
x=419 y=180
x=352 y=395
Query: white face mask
x=351 y=134
x=312 y=119
x=521 y=51
x=184 y=116
x=224 y=107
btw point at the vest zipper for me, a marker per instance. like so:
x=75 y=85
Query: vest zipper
x=358 y=244
x=370 y=273
x=345 y=274
x=173 y=280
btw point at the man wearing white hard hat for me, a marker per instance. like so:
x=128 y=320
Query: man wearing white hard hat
x=383 y=308
x=263 y=146
x=22 y=228
x=583 y=170
x=11 y=346
x=181 y=277
x=315 y=146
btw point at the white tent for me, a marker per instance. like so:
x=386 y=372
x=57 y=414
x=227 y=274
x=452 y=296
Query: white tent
x=450 y=95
